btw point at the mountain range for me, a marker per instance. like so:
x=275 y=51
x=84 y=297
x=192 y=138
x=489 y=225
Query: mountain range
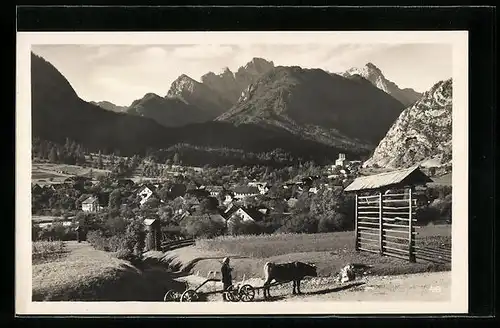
x=56 y=104
x=307 y=112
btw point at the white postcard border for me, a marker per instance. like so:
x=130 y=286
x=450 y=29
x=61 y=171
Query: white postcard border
x=459 y=288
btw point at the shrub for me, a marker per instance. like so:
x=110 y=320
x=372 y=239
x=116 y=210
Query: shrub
x=135 y=237
x=35 y=232
x=204 y=227
x=97 y=240
x=116 y=243
x=427 y=214
x=116 y=226
x=244 y=228
x=443 y=207
x=326 y=224
x=124 y=254
x=300 y=223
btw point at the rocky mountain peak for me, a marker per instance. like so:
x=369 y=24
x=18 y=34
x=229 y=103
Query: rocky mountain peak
x=231 y=85
x=182 y=84
x=372 y=67
x=372 y=73
x=257 y=65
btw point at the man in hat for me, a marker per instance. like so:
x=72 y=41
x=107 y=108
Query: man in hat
x=226 y=276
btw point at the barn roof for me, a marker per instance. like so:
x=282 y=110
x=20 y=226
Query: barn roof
x=246 y=190
x=90 y=200
x=409 y=176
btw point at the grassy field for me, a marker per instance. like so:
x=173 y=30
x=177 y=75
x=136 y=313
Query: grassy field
x=329 y=251
x=45 y=251
x=86 y=274
x=442 y=180
x=56 y=173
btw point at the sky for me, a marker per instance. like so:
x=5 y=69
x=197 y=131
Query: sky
x=123 y=73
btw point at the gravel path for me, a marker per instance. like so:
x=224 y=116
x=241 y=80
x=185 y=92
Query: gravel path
x=433 y=286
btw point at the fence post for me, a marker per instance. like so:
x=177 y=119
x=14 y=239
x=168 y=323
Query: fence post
x=356 y=236
x=411 y=238
x=381 y=230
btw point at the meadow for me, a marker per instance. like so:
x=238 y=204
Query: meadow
x=86 y=274
x=329 y=251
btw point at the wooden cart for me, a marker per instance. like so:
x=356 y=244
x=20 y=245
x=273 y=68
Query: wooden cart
x=235 y=293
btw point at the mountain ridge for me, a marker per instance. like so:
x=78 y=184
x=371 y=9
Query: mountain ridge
x=316 y=104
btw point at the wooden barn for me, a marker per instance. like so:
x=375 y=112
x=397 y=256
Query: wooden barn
x=153 y=234
x=385 y=212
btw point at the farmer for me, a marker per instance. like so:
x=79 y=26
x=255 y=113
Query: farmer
x=226 y=276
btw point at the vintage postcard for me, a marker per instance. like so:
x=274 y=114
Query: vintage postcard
x=242 y=173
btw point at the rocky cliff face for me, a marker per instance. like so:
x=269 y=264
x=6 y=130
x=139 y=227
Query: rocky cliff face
x=230 y=85
x=199 y=95
x=373 y=74
x=224 y=83
x=422 y=133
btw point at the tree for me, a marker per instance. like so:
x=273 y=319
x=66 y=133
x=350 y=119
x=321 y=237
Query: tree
x=115 y=198
x=208 y=205
x=53 y=156
x=176 y=159
x=333 y=209
x=301 y=223
x=99 y=160
x=135 y=237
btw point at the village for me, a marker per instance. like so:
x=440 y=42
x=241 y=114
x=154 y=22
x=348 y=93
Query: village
x=239 y=199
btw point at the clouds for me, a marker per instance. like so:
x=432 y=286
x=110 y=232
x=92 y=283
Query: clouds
x=123 y=73
x=203 y=51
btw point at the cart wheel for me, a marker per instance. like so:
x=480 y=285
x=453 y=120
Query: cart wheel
x=171 y=296
x=232 y=294
x=246 y=293
x=189 y=296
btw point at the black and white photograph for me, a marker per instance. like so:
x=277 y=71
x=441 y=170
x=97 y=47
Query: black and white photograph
x=241 y=172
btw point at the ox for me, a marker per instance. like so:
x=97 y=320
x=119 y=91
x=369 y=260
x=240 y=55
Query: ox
x=285 y=272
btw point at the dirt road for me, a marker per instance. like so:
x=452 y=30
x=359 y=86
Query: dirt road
x=413 y=287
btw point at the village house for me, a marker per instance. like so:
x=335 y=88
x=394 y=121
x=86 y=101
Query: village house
x=263 y=187
x=247 y=214
x=313 y=190
x=214 y=190
x=145 y=193
x=229 y=211
x=228 y=199
x=189 y=204
x=241 y=192
x=197 y=193
x=91 y=204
